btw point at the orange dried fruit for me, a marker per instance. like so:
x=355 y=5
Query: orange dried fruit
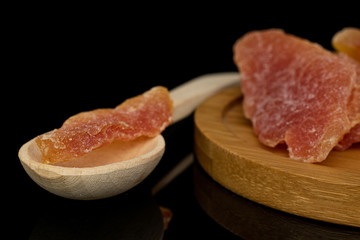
x=144 y=115
x=348 y=41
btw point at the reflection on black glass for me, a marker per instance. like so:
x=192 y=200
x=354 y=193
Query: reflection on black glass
x=127 y=216
x=250 y=220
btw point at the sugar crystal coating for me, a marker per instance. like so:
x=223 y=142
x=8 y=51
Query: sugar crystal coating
x=295 y=92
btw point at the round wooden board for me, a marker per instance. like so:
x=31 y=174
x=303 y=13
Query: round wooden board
x=250 y=220
x=231 y=154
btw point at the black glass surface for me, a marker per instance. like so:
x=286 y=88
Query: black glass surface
x=200 y=207
x=64 y=68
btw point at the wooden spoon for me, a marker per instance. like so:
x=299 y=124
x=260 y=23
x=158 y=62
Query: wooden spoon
x=115 y=168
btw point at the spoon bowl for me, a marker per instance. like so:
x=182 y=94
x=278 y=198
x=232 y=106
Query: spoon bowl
x=117 y=167
x=89 y=177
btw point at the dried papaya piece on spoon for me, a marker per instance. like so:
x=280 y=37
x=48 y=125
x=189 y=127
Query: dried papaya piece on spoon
x=144 y=115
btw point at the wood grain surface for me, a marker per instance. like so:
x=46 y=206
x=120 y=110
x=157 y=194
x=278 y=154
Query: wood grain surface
x=231 y=154
x=250 y=220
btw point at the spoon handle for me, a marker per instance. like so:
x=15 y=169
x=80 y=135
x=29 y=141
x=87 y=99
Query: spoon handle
x=189 y=95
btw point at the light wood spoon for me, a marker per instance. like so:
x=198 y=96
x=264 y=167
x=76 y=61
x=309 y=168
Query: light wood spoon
x=118 y=167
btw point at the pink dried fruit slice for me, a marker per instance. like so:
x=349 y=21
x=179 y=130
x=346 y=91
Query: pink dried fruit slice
x=295 y=92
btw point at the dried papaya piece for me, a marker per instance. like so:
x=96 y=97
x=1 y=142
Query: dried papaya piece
x=295 y=92
x=348 y=42
x=144 y=115
x=349 y=139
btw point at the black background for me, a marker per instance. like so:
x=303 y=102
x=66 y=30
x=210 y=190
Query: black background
x=62 y=62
